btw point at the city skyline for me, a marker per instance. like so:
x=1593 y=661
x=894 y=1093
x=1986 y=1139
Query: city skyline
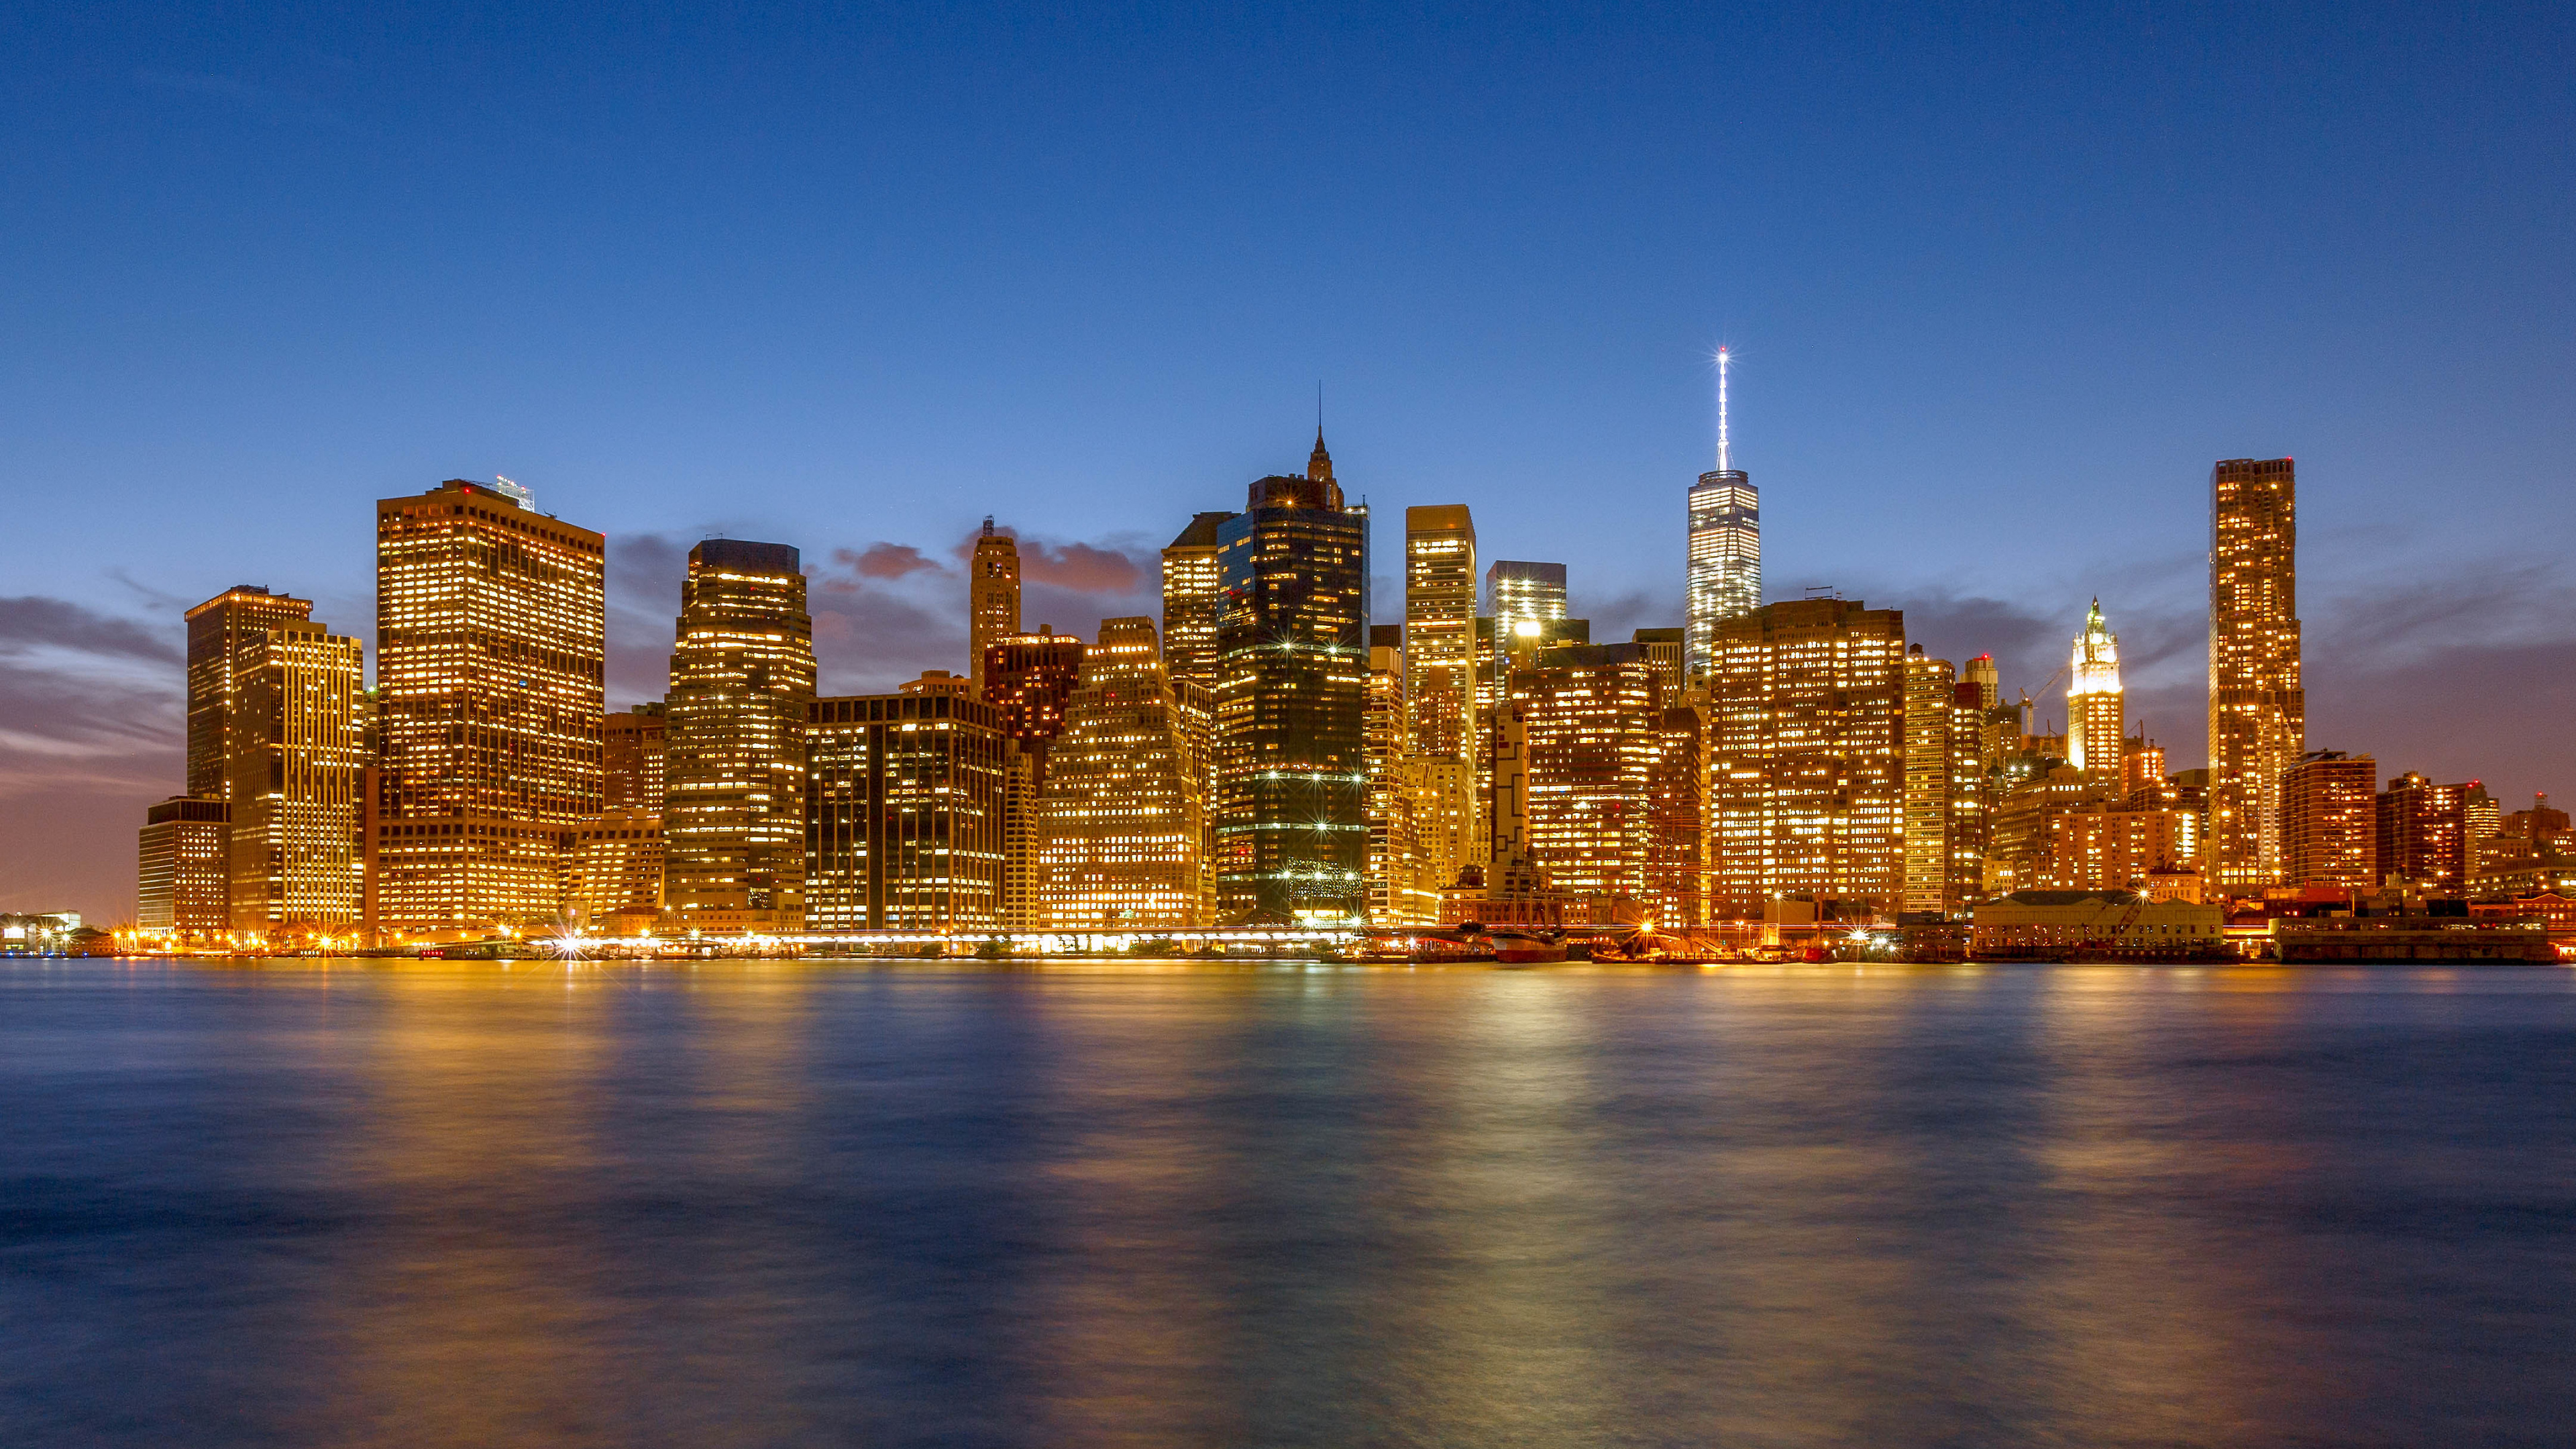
x=1981 y=381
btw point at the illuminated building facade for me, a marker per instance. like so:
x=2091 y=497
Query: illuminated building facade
x=2258 y=710
x=2329 y=821
x=293 y=757
x=219 y=630
x=1400 y=887
x=1518 y=590
x=1592 y=739
x=1291 y=699
x=1806 y=757
x=1030 y=679
x=1725 y=546
x=2422 y=835
x=993 y=596
x=904 y=810
x=2105 y=846
x=1440 y=628
x=185 y=860
x=742 y=673
x=1664 y=650
x=1499 y=653
x=2095 y=727
x=1677 y=834
x=491 y=644
x=1121 y=818
x=614 y=885
x=1934 y=884
x=1193 y=598
x=632 y=751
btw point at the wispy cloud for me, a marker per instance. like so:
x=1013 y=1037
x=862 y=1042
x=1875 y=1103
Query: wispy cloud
x=32 y=621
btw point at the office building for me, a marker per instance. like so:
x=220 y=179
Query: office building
x=1592 y=738
x=993 y=596
x=1030 y=680
x=1944 y=855
x=1401 y=889
x=633 y=748
x=2421 y=833
x=1440 y=628
x=2113 y=846
x=742 y=672
x=2329 y=821
x=1725 y=545
x=1664 y=649
x=1121 y=818
x=2258 y=711
x=184 y=859
x=1677 y=834
x=1515 y=590
x=220 y=631
x=292 y=776
x=904 y=811
x=1193 y=597
x=491 y=644
x=2095 y=726
x=614 y=883
x=1806 y=756
x=1291 y=700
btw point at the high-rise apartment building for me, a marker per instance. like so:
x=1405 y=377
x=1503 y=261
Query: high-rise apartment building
x=294 y=752
x=2108 y=847
x=2095 y=725
x=2258 y=710
x=491 y=640
x=2421 y=832
x=742 y=673
x=1517 y=590
x=1593 y=731
x=1806 y=768
x=1931 y=698
x=1193 y=598
x=184 y=859
x=1440 y=628
x=993 y=596
x=903 y=810
x=1122 y=819
x=220 y=630
x=1291 y=700
x=633 y=750
x=1725 y=545
x=2329 y=822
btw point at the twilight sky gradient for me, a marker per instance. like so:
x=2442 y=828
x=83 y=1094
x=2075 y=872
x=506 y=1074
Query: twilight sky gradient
x=2001 y=287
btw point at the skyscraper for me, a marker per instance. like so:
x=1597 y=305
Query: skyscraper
x=293 y=754
x=1121 y=818
x=1931 y=694
x=993 y=596
x=1030 y=679
x=1725 y=545
x=903 y=810
x=1193 y=597
x=1677 y=834
x=1292 y=683
x=1806 y=757
x=1592 y=735
x=491 y=638
x=2094 y=723
x=219 y=630
x=2328 y=821
x=1440 y=628
x=742 y=672
x=1519 y=590
x=1398 y=891
x=2258 y=711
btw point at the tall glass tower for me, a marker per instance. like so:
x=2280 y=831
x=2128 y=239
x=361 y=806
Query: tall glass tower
x=1725 y=547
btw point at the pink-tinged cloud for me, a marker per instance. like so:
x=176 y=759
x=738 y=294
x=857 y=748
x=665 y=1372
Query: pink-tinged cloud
x=884 y=561
x=1080 y=568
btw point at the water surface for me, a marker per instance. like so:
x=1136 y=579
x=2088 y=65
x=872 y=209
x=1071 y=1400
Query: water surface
x=451 y=1204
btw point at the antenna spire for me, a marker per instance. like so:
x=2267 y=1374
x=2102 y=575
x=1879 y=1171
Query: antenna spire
x=1722 y=461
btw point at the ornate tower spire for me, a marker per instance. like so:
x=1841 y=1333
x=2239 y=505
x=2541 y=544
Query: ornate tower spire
x=1319 y=465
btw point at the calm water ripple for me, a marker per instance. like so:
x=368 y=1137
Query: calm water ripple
x=381 y=1204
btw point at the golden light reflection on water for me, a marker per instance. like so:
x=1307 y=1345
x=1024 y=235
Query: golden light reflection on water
x=766 y=1203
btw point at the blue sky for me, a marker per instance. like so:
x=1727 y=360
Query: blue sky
x=2001 y=284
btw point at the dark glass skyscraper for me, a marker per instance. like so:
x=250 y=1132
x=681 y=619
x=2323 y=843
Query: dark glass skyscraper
x=1291 y=697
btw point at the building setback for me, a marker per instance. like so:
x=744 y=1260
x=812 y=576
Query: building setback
x=2258 y=711
x=1292 y=667
x=1121 y=817
x=904 y=810
x=742 y=672
x=1725 y=560
x=1806 y=777
x=491 y=640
